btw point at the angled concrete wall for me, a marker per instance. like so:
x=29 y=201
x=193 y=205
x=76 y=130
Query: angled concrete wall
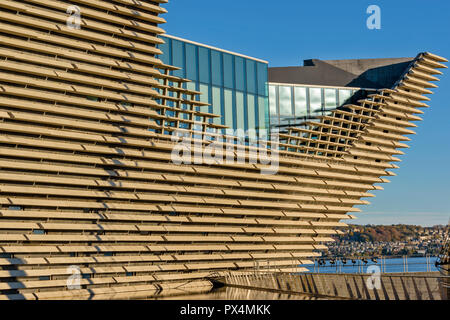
x=410 y=286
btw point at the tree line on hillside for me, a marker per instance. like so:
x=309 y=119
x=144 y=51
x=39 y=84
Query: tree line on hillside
x=382 y=233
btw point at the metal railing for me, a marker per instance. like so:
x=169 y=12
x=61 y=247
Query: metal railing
x=339 y=264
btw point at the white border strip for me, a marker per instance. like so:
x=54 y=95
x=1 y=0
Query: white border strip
x=318 y=86
x=214 y=48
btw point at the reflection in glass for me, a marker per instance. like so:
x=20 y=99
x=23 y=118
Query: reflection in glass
x=274 y=120
x=315 y=99
x=236 y=87
x=251 y=111
x=169 y=102
x=178 y=58
x=262 y=78
x=344 y=95
x=228 y=100
x=240 y=73
x=273 y=100
x=216 y=68
x=251 y=76
x=240 y=114
x=330 y=99
x=204 y=69
x=263 y=115
x=191 y=62
x=217 y=104
x=301 y=106
x=193 y=87
x=228 y=70
x=165 y=48
x=285 y=94
x=204 y=89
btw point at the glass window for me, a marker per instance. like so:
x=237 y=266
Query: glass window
x=204 y=89
x=228 y=70
x=170 y=113
x=285 y=121
x=228 y=101
x=191 y=62
x=178 y=58
x=216 y=67
x=274 y=120
x=165 y=48
x=315 y=99
x=330 y=99
x=217 y=104
x=251 y=76
x=240 y=73
x=204 y=67
x=197 y=127
x=344 y=95
x=262 y=78
x=301 y=106
x=285 y=94
x=273 y=100
x=170 y=103
x=191 y=86
x=240 y=113
x=251 y=111
x=263 y=114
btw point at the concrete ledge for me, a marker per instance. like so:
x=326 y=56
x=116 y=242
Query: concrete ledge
x=403 y=286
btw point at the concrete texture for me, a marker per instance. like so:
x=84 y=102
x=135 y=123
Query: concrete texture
x=408 y=286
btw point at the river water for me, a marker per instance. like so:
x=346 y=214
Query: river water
x=390 y=265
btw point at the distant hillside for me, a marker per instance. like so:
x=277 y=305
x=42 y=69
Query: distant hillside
x=381 y=233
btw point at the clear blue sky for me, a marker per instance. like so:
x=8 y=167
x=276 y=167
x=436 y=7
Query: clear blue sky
x=286 y=32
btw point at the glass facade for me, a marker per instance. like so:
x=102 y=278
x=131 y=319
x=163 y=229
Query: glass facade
x=290 y=105
x=235 y=86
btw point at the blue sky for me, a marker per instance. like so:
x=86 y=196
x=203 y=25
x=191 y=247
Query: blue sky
x=286 y=32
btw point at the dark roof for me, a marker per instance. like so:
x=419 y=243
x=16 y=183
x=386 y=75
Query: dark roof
x=360 y=73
